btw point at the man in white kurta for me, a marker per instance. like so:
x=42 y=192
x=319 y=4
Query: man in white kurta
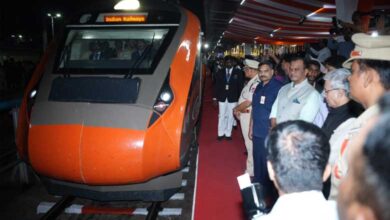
x=298 y=169
x=243 y=110
x=297 y=100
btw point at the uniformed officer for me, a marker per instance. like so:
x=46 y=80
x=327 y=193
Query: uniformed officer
x=227 y=89
x=243 y=110
x=262 y=101
x=370 y=79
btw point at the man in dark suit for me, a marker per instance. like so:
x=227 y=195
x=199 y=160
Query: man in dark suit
x=229 y=82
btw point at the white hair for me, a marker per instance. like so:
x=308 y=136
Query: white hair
x=338 y=79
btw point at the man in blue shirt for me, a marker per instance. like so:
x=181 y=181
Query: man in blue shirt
x=260 y=124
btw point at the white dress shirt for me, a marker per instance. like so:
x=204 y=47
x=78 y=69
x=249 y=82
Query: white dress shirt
x=308 y=205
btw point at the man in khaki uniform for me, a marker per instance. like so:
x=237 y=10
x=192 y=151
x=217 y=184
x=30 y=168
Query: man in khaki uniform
x=370 y=79
x=243 y=110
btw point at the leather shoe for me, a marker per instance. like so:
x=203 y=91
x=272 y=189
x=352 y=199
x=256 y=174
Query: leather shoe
x=229 y=138
x=219 y=138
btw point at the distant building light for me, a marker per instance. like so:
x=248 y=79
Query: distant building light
x=20 y=36
x=13 y=35
x=206 y=46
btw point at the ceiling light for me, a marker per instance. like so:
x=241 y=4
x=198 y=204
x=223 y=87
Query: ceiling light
x=242 y=2
x=231 y=20
x=127 y=5
x=329 y=6
x=278 y=29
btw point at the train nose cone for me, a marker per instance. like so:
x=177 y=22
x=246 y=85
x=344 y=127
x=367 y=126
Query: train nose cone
x=93 y=155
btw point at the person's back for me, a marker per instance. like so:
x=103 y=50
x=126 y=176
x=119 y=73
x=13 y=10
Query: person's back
x=298 y=153
x=307 y=205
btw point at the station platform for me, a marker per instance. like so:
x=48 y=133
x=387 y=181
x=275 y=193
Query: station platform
x=220 y=162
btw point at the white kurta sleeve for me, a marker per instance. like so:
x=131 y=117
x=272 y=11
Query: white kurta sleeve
x=311 y=108
x=274 y=110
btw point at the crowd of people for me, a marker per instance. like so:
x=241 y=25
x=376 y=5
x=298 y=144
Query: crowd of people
x=313 y=128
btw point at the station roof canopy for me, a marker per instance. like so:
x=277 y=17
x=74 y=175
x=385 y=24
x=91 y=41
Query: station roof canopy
x=269 y=21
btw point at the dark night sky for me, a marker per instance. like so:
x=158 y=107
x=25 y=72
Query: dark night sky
x=30 y=18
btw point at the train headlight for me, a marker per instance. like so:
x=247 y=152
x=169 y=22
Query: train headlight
x=166 y=96
x=160 y=106
x=163 y=101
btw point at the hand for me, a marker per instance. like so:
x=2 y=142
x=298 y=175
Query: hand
x=236 y=113
x=215 y=103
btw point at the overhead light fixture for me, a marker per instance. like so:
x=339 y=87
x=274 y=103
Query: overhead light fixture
x=242 y=2
x=277 y=29
x=127 y=5
x=315 y=12
x=231 y=20
x=329 y=6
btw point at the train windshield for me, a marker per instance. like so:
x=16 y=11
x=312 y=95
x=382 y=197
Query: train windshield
x=116 y=50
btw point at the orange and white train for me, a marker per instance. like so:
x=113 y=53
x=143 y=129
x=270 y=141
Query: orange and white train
x=112 y=108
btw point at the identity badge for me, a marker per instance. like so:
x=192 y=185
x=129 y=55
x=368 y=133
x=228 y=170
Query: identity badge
x=262 y=100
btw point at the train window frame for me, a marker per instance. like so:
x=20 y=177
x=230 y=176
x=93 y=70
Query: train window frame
x=92 y=70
